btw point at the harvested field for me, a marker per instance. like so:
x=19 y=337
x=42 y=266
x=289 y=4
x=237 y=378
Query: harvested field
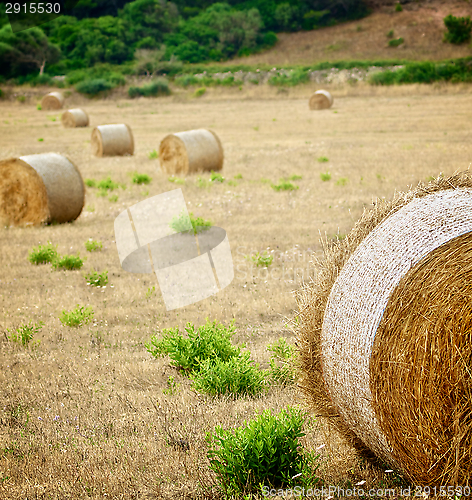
x=85 y=413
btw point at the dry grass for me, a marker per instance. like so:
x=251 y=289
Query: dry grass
x=420 y=25
x=117 y=433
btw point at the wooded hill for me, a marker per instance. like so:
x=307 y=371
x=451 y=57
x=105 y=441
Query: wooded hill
x=190 y=31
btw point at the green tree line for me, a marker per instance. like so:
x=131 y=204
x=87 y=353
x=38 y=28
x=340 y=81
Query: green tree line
x=191 y=31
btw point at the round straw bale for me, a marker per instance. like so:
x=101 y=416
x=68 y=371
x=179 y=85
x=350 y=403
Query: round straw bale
x=189 y=152
x=321 y=99
x=75 y=118
x=385 y=337
x=40 y=188
x=53 y=100
x=112 y=140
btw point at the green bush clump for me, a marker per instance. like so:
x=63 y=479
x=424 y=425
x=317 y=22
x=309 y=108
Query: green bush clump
x=69 y=262
x=90 y=183
x=141 y=178
x=295 y=77
x=398 y=7
x=153 y=155
x=43 y=254
x=108 y=184
x=459 y=70
x=282 y=369
x=186 y=80
x=97 y=279
x=216 y=177
x=158 y=87
x=25 y=334
x=284 y=185
x=94 y=86
x=199 y=92
x=93 y=246
x=238 y=376
x=77 y=317
x=395 y=42
x=459 y=29
x=263 y=453
x=263 y=259
x=211 y=341
x=326 y=176
x=182 y=223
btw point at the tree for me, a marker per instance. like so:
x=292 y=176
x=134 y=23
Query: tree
x=21 y=52
x=458 y=29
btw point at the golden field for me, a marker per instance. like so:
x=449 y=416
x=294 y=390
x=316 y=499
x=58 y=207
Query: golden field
x=84 y=415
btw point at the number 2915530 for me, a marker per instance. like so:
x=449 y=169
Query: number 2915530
x=33 y=8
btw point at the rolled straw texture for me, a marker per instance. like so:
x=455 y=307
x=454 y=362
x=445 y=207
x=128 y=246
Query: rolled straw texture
x=321 y=99
x=191 y=151
x=381 y=344
x=53 y=100
x=112 y=140
x=40 y=188
x=75 y=118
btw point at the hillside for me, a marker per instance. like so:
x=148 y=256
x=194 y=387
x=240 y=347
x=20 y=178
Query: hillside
x=419 y=24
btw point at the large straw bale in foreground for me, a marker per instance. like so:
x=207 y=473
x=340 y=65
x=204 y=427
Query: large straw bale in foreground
x=40 y=188
x=75 y=118
x=53 y=100
x=189 y=152
x=112 y=140
x=321 y=99
x=386 y=332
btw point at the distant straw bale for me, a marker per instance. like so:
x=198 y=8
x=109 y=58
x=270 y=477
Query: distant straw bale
x=385 y=336
x=321 y=99
x=112 y=140
x=191 y=151
x=53 y=100
x=75 y=118
x=40 y=188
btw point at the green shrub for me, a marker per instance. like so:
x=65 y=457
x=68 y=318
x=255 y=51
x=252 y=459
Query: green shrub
x=282 y=370
x=395 y=42
x=263 y=259
x=186 y=80
x=295 y=77
x=323 y=159
x=152 y=155
x=157 y=87
x=141 y=179
x=263 y=453
x=238 y=376
x=177 y=180
x=199 y=92
x=69 y=262
x=216 y=177
x=77 y=317
x=90 y=183
x=43 y=254
x=108 y=184
x=182 y=223
x=398 y=7
x=342 y=181
x=96 y=279
x=458 y=29
x=93 y=246
x=284 y=186
x=238 y=176
x=325 y=176
x=295 y=177
x=390 y=34
x=211 y=341
x=25 y=333
x=94 y=86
